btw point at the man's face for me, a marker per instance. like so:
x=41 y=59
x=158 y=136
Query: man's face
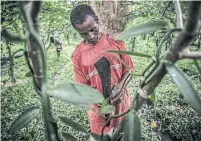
x=89 y=30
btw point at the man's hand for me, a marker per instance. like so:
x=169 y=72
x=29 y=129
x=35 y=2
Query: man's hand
x=118 y=90
x=117 y=95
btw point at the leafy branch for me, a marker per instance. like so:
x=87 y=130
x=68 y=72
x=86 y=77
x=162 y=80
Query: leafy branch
x=182 y=41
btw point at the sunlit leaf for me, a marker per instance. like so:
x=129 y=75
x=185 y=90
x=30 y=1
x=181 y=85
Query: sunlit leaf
x=76 y=93
x=151 y=99
x=72 y=124
x=105 y=103
x=142 y=29
x=185 y=87
x=132 y=127
x=108 y=109
x=68 y=136
x=25 y=118
x=131 y=53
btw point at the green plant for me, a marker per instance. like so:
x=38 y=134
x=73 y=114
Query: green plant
x=70 y=88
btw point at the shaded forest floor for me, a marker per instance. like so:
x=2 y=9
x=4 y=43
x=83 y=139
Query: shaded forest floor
x=169 y=111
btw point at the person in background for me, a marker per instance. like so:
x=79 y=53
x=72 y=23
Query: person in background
x=87 y=53
x=57 y=44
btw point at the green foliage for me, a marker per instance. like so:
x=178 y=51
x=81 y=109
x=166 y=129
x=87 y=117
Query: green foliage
x=131 y=53
x=28 y=74
x=106 y=137
x=132 y=121
x=95 y=136
x=151 y=99
x=25 y=118
x=73 y=124
x=197 y=66
x=12 y=37
x=159 y=48
x=142 y=29
x=103 y=105
x=171 y=107
x=185 y=87
x=76 y=93
x=68 y=136
x=107 y=109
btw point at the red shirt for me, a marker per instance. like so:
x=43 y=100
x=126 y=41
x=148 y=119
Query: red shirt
x=84 y=58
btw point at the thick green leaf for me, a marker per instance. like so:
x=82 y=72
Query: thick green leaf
x=76 y=93
x=142 y=29
x=106 y=137
x=68 y=136
x=72 y=124
x=185 y=87
x=25 y=118
x=131 y=53
x=97 y=137
x=105 y=103
x=132 y=127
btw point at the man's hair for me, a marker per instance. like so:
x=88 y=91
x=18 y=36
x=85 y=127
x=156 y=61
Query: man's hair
x=80 y=13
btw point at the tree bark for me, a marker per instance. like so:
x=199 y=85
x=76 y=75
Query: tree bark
x=112 y=16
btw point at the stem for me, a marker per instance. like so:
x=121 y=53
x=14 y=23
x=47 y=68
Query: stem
x=146 y=79
x=179 y=14
x=38 y=61
x=35 y=36
x=148 y=67
x=191 y=55
x=113 y=116
x=182 y=41
x=158 y=51
x=11 y=63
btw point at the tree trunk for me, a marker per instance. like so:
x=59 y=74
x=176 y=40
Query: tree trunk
x=111 y=14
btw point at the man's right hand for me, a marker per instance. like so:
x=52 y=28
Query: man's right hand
x=118 y=90
x=117 y=95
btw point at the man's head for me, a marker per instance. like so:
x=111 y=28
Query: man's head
x=85 y=21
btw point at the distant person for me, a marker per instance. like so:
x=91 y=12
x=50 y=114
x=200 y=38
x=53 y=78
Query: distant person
x=88 y=53
x=57 y=44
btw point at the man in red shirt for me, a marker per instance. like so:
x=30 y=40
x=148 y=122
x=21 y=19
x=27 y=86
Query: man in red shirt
x=88 y=53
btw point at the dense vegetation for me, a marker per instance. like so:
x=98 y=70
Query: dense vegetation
x=169 y=114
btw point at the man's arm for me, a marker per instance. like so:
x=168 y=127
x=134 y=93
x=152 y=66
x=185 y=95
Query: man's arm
x=119 y=89
x=128 y=66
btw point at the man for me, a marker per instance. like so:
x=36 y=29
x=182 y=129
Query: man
x=57 y=44
x=90 y=51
